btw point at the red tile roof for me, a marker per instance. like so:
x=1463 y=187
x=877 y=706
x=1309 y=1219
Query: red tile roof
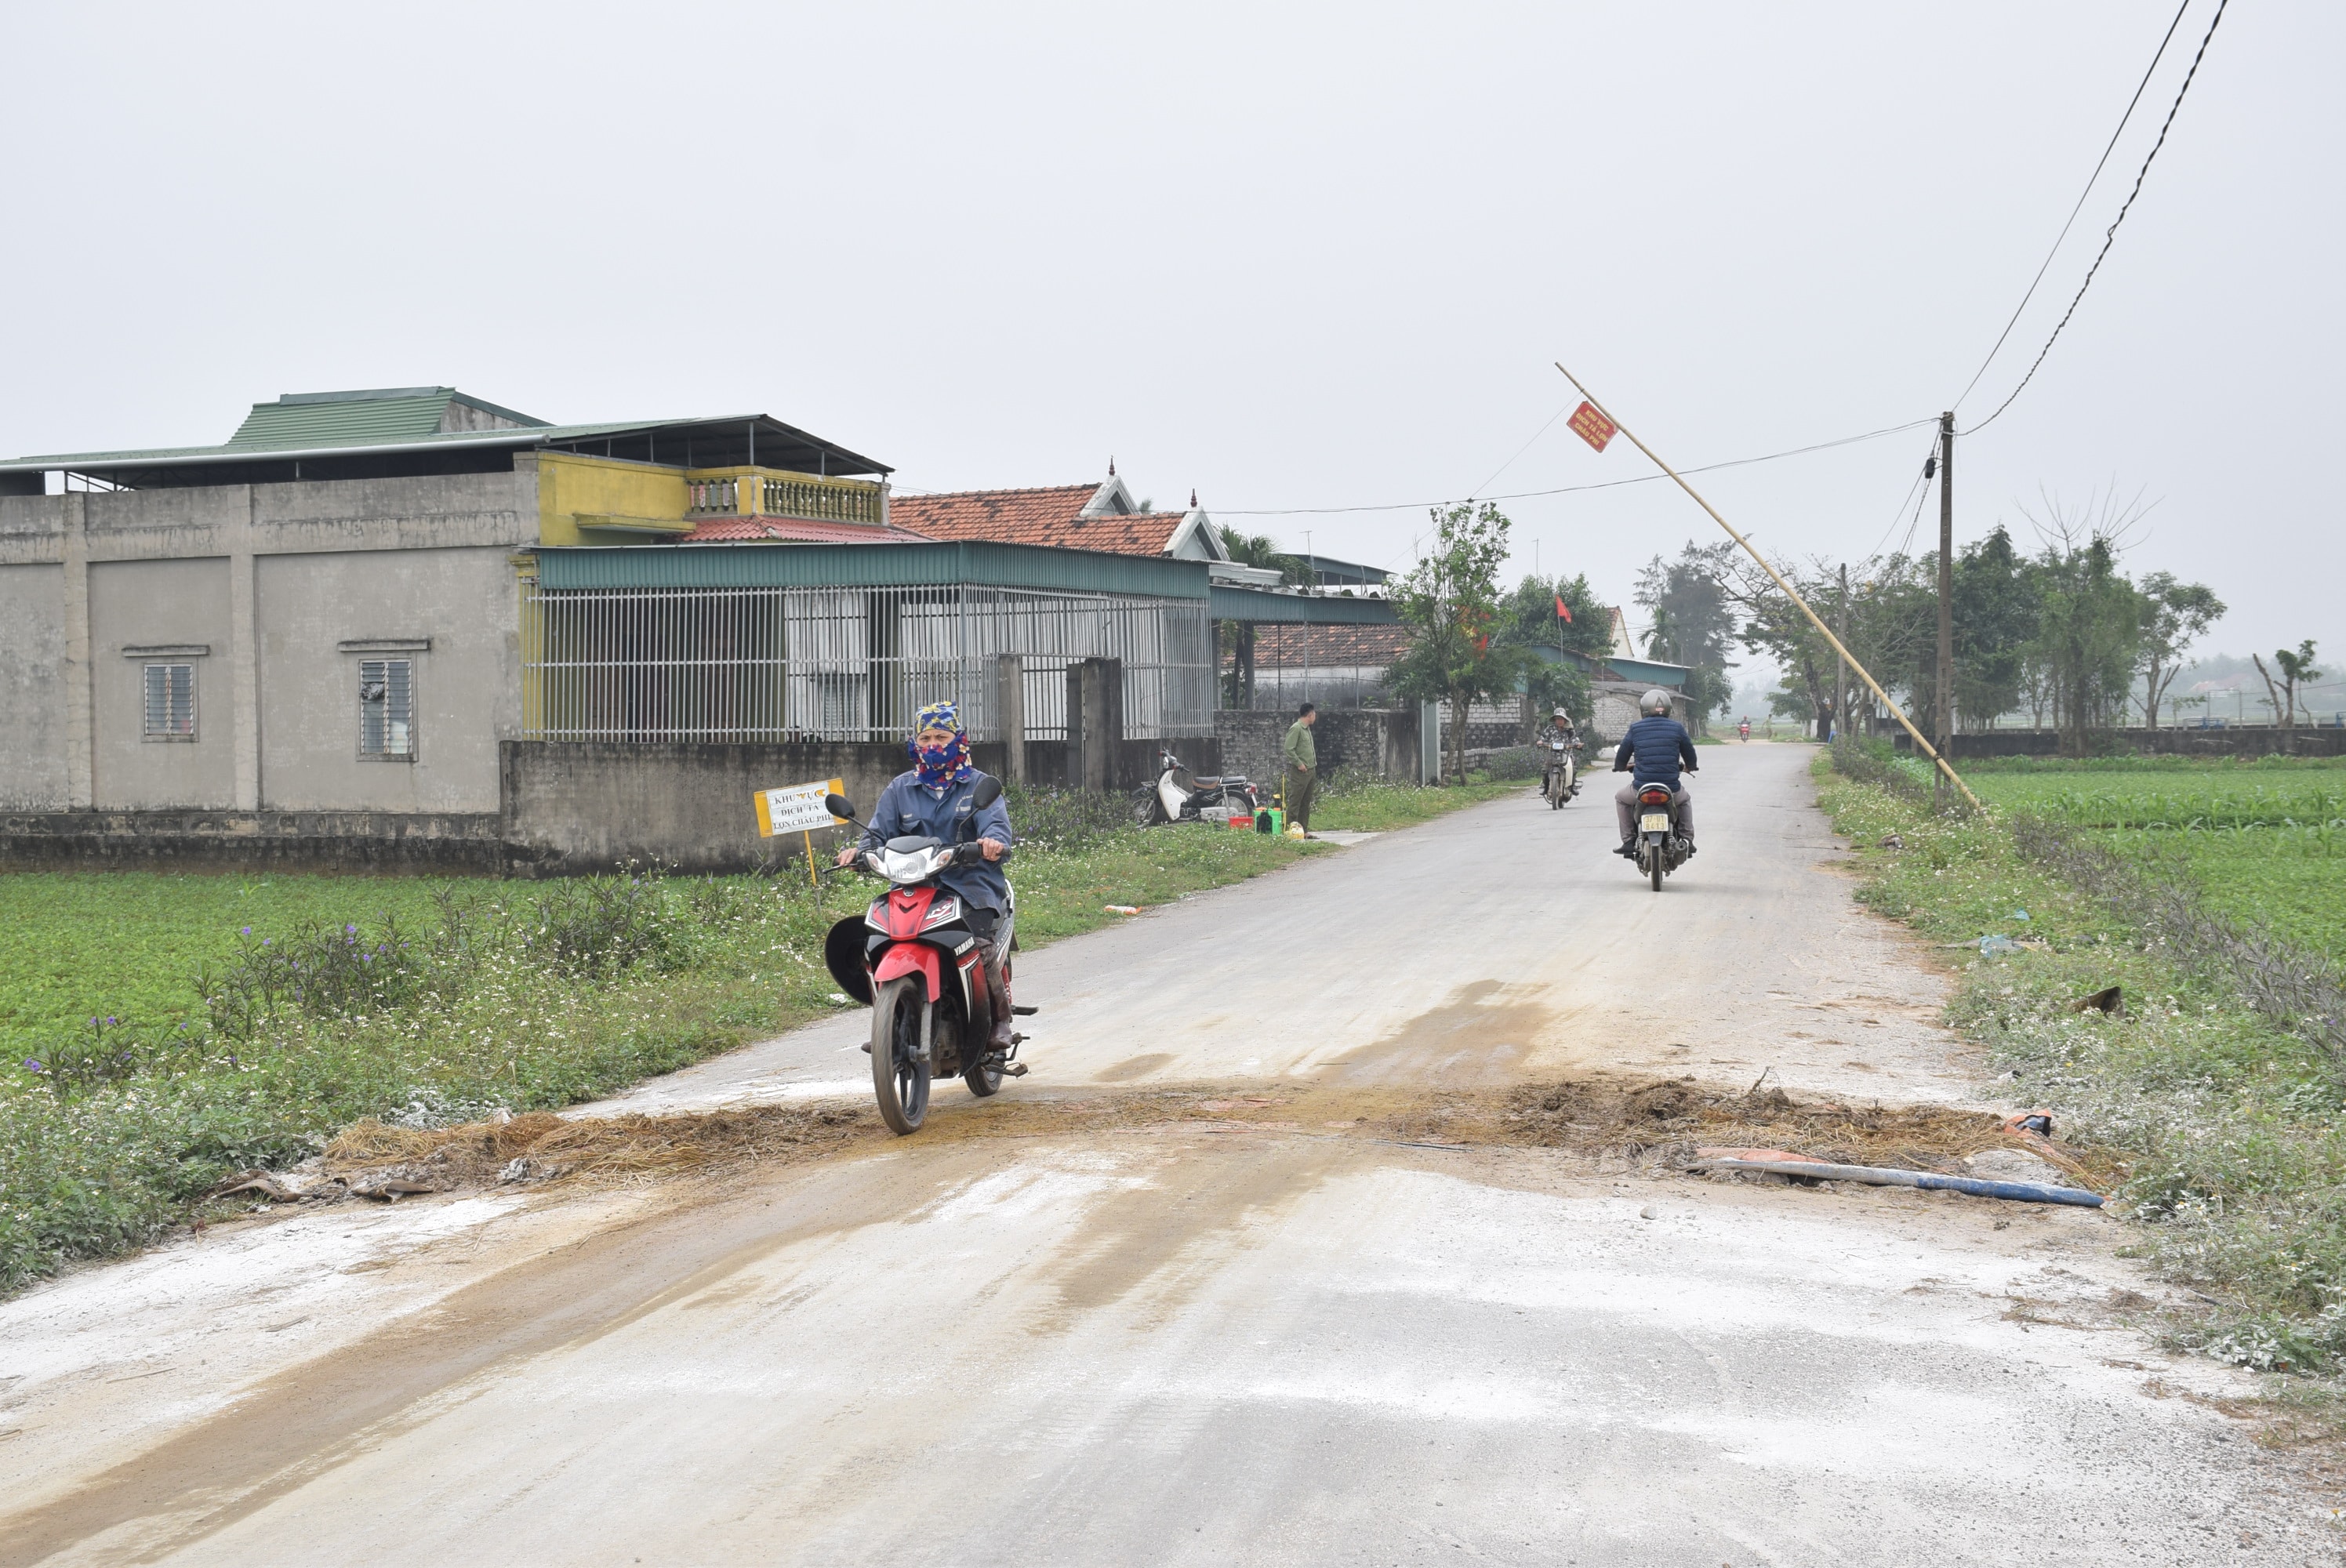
x=1048 y=515
x=1280 y=646
x=796 y=530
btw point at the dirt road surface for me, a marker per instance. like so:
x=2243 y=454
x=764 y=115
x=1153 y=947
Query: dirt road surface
x=1187 y=1343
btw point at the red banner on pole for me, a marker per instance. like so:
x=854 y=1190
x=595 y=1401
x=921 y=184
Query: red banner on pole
x=1562 y=608
x=1591 y=426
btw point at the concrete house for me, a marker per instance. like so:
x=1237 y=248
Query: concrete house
x=323 y=615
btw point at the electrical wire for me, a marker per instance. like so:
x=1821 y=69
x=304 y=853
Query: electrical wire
x=2110 y=237
x=2101 y=164
x=1571 y=489
x=1520 y=451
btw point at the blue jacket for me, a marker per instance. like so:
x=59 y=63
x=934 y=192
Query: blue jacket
x=905 y=808
x=1659 y=745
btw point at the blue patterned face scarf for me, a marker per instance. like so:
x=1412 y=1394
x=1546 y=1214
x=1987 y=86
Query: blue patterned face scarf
x=941 y=765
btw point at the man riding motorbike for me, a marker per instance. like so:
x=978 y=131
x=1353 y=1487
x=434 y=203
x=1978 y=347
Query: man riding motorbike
x=934 y=801
x=1657 y=745
x=1559 y=726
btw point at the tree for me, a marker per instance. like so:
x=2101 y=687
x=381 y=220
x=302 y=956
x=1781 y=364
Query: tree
x=1451 y=601
x=1530 y=628
x=1694 y=622
x=1237 y=638
x=1996 y=618
x=2089 y=629
x=2295 y=669
x=2175 y=615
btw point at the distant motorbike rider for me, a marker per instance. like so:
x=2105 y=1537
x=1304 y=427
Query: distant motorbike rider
x=934 y=800
x=1653 y=750
x=1559 y=726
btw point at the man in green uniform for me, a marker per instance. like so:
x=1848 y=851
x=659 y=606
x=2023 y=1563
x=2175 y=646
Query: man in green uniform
x=1302 y=767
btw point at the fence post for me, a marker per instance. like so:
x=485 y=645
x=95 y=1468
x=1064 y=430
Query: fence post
x=1010 y=714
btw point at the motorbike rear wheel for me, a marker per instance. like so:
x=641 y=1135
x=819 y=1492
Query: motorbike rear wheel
x=900 y=1079
x=1655 y=860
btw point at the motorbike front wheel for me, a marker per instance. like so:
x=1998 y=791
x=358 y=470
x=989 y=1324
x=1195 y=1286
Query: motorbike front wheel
x=900 y=1079
x=1148 y=811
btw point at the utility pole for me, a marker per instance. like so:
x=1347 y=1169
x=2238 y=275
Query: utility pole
x=1841 y=664
x=1946 y=602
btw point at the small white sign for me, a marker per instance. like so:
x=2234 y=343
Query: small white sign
x=797 y=808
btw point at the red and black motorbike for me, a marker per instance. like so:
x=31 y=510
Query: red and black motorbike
x=914 y=960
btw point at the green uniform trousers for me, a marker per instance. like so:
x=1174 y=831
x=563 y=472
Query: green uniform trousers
x=1299 y=796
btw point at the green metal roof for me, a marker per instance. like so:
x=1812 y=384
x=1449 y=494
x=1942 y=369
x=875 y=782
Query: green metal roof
x=778 y=565
x=309 y=420
x=1298 y=609
x=786 y=446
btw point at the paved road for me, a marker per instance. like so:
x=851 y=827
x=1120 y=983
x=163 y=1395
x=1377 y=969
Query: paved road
x=1178 y=1346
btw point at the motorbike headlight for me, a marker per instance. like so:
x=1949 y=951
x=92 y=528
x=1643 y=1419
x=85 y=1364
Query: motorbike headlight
x=905 y=865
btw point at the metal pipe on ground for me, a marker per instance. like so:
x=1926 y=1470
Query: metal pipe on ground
x=1882 y=1176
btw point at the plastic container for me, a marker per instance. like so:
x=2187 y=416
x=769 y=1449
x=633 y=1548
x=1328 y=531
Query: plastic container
x=1243 y=822
x=1275 y=819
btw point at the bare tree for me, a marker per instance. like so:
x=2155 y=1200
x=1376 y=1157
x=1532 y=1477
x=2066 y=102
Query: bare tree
x=2297 y=669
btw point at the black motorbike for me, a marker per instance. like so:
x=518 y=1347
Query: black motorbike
x=1180 y=796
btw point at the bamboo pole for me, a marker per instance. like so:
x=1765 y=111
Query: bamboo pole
x=1814 y=619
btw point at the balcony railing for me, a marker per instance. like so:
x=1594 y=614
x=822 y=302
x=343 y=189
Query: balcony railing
x=771 y=493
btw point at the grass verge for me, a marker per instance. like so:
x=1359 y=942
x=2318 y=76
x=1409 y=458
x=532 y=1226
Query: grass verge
x=2230 y=1123
x=165 y=1032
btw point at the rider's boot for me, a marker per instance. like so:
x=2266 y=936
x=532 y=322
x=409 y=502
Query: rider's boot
x=997 y=986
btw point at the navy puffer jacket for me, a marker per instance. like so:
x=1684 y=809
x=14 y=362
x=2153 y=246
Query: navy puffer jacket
x=1660 y=746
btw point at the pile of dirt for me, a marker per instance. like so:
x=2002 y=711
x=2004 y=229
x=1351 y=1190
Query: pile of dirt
x=1667 y=1120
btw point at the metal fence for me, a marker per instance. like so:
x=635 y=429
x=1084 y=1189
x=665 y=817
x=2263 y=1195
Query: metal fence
x=845 y=664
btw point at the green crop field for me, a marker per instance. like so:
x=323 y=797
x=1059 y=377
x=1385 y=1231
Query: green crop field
x=2264 y=840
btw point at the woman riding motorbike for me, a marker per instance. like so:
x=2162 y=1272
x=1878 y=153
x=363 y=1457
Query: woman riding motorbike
x=934 y=800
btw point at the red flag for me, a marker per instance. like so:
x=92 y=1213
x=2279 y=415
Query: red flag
x=1562 y=608
x=1591 y=426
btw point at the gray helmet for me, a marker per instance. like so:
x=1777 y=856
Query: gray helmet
x=1560 y=713
x=1655 y=701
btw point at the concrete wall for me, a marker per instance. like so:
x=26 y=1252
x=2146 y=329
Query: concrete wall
x=83 y=575
x=152 y=604
x=467 y=682
x=1370 y=740
x=32 y=686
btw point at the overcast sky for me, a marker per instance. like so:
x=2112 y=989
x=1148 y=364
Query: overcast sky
x=1292 y=257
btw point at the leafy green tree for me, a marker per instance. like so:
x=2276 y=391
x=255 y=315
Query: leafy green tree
x=1694 y=622
x=1996 y=619
x=1451 y=600
x=2175 y=615
x=2089 y=634
x=1529 y=623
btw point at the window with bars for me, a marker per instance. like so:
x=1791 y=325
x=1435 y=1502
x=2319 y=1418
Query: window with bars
x=171 y=705
x=387 y=708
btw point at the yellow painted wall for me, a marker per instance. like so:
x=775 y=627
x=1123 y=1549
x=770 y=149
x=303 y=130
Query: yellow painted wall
x=570 y=487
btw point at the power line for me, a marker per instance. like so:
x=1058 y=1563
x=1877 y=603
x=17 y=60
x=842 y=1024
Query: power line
x=2123 y=120
x=1519 y=452
x=1568 y=489
x=2109 y=237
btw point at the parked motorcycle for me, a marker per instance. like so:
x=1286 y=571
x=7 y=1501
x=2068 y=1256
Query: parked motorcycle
x=1561 y=782
x=913 y=958
x=1179 y=796
x=1660 y=847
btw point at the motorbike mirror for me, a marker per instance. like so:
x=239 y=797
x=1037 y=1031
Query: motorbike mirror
x=988 y=790
x=839 y=805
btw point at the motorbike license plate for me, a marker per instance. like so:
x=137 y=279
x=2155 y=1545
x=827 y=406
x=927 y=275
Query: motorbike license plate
x=1654 y=823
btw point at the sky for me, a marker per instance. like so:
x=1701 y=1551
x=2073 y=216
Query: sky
x=1293 y=258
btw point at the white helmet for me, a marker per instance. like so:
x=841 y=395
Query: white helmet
x=1655 y=701
x=1560 y=713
